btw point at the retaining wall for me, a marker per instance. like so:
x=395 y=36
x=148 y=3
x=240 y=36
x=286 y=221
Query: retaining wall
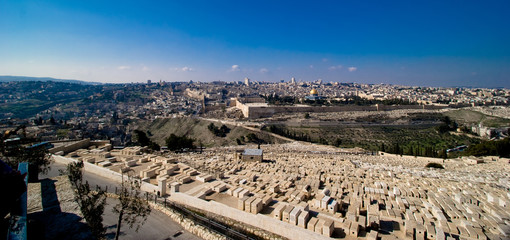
x=71 y=147
x=104 y=172
x=257 y=220
x=425 y=160
x=188 y=224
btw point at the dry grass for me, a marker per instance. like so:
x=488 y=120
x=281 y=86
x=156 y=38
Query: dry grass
x=196 y=129
x=471 y=117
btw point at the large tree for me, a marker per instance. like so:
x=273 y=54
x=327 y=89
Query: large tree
x=16 y=148
x=132 y=209
x=177 y=143
x=142 y=139
x=91 y=203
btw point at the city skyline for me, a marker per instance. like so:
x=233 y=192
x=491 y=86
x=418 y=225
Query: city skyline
x=432 y=44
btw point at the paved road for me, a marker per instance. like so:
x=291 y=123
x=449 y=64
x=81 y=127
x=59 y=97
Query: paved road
x=157 y=227
x=91 y=178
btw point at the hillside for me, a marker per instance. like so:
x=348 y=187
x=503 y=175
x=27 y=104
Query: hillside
x=197 y=129
x=471 y=117
x=414 y=131
x=43 y=79
x=24 y=99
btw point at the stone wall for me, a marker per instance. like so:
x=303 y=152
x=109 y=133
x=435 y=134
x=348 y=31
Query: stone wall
x=66 y=148
x=104 y=172
x=256 y=220
x=424 y=160
x=260 y=233
x=257 y=111
x=188 y=224
x=209 y=108
x=99 y=143
x=43 y=200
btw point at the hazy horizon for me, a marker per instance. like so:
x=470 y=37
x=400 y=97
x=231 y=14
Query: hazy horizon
x=457 y=43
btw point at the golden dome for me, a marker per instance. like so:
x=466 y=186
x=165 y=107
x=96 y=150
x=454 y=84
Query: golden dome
x=314 y=92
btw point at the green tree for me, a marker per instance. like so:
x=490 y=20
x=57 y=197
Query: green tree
x=409 y=151
x=91 y=203
x=38 y=121
x=62 y=133
x=14 y=152
x=224 y=129
x=211 y=127
x=141 y=138
x=154 y=146
x=443 y=154
x=177 y=143
x=219 y=132
x=251 y=137
x=338 y=142
x=132 y=209
x=115 y=118
x=490 y=148
x=447 y=125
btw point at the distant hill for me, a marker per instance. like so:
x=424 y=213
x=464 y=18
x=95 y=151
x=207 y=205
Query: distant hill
x=195 y=128
x=43 y=79
x=23 y=99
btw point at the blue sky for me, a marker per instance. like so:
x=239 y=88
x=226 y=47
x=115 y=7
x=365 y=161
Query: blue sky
x=428 y=43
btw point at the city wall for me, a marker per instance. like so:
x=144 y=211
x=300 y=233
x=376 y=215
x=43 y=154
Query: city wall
x=259 y=110
x=209 y=108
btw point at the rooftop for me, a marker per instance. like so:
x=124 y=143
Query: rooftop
x=253 y=152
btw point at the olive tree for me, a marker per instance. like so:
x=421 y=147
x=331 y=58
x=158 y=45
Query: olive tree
x=132 y=209
x=91 y=202
x=16 y=150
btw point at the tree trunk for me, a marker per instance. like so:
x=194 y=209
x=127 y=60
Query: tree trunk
x=119 y=221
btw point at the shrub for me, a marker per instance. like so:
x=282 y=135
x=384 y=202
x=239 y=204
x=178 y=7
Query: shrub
x=434 y=165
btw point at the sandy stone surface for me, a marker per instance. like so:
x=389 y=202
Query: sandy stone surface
x=52 y=211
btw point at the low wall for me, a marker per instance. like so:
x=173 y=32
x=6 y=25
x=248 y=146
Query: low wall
x=71 y=147
x=425 y=160
x=257 y=220
x=104 y=172
x=99 y=143
x=188 y=224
